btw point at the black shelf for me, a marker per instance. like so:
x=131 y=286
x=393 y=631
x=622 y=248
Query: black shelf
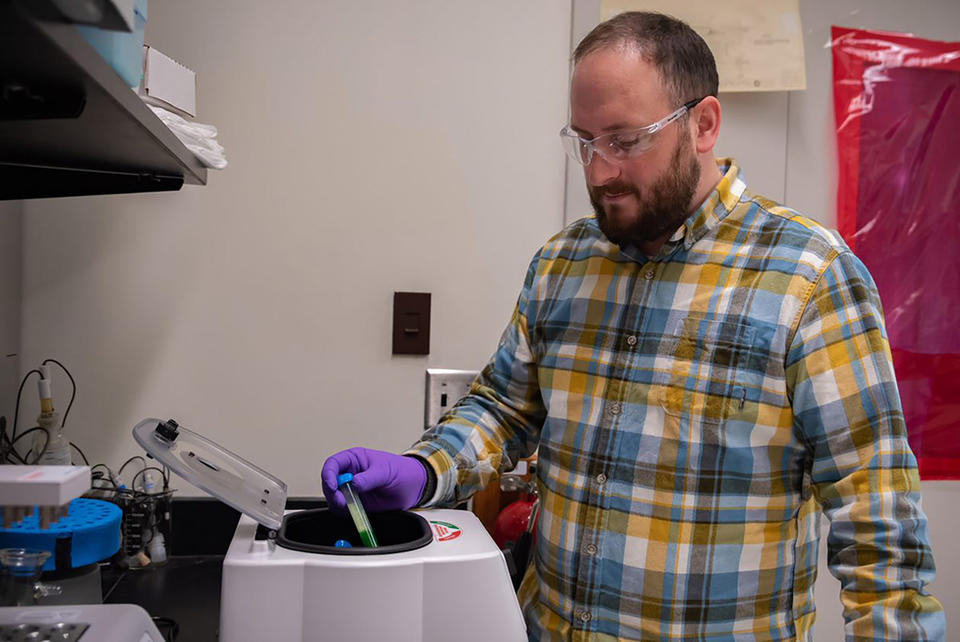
x=69 y=126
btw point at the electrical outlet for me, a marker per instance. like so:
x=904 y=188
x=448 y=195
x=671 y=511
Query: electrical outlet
x=444 y=390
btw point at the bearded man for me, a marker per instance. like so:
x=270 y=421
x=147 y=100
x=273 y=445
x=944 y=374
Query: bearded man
x=704 y=373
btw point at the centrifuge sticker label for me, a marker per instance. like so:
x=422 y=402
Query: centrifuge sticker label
x=445 y=531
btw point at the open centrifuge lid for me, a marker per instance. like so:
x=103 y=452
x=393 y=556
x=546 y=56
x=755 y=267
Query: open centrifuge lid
x=231 y=479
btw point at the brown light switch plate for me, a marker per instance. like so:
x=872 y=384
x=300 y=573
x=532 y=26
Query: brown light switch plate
x=411 y=323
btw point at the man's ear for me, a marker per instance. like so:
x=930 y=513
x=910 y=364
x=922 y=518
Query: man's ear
x=705 y=124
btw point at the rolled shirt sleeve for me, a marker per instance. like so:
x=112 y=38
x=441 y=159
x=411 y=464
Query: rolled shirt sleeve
x=496 y=423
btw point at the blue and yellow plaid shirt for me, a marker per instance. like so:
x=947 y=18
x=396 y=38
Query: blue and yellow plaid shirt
x=693 y=412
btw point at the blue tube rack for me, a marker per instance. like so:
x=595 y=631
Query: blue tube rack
x=89 y=533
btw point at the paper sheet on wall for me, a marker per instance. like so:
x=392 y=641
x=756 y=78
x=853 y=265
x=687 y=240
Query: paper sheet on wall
x=758 y=46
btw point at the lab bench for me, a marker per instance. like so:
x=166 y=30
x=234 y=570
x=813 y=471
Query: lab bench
x=186 y=589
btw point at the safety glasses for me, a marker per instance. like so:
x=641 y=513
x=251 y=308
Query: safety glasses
x=621 y=145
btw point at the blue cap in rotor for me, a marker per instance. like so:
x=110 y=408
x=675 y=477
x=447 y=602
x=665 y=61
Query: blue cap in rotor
x=344 y=478
x=342 y=543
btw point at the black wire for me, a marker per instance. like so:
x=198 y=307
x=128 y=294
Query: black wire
x=14 y=453
x=43 y=450
x=16 y=410
x=73 y=395
x=109 y=481
x=104 y=466
x=109 y=476
x=172 y=626
x=133 y=483
x=45 y=444
x=6 y=447
x=81 y=453
x=34 y=429
x=124 y=465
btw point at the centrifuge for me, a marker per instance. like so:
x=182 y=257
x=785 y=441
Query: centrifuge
x=435 y=574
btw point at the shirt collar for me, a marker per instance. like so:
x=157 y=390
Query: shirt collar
x=721 y=201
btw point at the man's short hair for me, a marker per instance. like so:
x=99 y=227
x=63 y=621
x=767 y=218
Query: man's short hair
x=683 y=60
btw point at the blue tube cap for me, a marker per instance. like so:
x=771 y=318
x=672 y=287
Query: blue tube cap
x=344 y=478
x=342 y=543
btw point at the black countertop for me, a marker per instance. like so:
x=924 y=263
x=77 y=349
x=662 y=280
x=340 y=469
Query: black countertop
x=185 y=591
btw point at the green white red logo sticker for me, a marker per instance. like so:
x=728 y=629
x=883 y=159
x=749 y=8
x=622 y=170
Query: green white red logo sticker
x=445 y=531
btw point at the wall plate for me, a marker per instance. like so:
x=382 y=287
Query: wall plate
x=444 y=389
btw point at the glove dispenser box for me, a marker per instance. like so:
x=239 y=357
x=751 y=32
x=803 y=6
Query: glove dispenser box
x=436 y=576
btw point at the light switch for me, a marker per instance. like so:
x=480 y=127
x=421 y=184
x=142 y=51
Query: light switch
x=411 y=323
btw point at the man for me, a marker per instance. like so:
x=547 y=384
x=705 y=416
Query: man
x=702 y=370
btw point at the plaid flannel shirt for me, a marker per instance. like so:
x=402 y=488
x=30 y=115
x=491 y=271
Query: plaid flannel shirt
x=694 y=412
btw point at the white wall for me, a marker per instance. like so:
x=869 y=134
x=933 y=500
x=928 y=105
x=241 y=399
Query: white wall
x=11 y=260
x=374 y=147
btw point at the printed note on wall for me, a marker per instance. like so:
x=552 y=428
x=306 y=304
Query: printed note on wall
x=758 y=45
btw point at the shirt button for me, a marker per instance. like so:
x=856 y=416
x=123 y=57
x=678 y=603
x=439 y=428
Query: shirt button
x=648 y=274
x=601 y=479
x=584 y=616
x=615 y=409
x=631 y=341
x=590 y=549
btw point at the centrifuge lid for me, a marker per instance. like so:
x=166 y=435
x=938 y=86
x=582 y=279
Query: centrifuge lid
x=231 y=479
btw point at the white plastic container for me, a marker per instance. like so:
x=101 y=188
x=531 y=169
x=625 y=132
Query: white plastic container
x=54 y=446
x=435 y=576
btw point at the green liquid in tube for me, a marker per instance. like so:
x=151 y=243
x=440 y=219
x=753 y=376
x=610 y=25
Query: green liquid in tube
x=359 y=515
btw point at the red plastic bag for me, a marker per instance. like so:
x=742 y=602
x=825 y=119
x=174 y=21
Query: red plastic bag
x=897 y=110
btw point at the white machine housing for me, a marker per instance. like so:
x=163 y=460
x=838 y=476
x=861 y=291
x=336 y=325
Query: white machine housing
x=100 y=622
x=42 y=485
x=445 y=581
x=457 y=587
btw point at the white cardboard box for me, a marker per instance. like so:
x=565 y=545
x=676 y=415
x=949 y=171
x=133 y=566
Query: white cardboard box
x=167 y=83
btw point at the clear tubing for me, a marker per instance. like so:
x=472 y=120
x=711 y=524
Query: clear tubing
x=359 y=515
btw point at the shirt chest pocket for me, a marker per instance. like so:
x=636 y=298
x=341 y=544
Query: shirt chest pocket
x=706 y=370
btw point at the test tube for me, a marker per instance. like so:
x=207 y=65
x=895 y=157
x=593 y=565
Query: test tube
x=357 y=512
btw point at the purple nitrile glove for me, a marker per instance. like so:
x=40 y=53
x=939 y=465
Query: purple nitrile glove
x=383 y=480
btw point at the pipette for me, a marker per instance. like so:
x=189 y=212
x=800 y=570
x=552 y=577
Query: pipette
x=357 y=512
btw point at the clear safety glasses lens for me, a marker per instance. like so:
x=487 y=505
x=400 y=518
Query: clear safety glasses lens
x=617 y=146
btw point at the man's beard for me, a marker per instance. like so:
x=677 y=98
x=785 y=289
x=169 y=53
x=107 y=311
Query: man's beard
x=662 y=211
